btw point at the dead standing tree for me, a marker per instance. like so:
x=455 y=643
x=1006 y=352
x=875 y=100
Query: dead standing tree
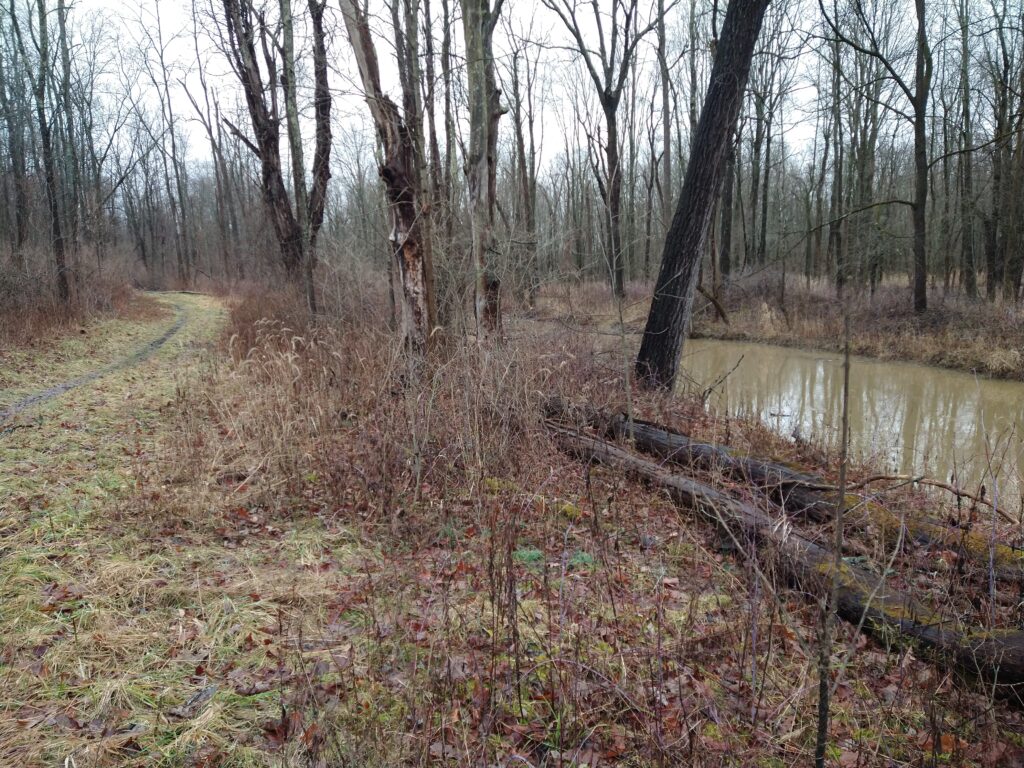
x=608 y=64
x=478 y=23
x=400 y=171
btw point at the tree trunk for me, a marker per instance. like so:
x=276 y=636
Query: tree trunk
x=725 y=253
x=16 y=146
x=658 y=360
x=836 y=246
x=922 y=86
x=46 y=145
x=614 y=198
x=667 y=190
x=970 y=277
x=400 y=173
x=863 y=599
x=478 y=22
x=72 y=178
x=322 y=139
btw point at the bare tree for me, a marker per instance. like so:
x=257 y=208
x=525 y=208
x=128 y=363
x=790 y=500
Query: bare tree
x=400 y=171
x=917 y=96
x=39 y=80
x=246 y=27
x=608 y=64
x=478 y=22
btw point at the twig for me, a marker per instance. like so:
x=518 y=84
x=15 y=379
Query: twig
x=920 y=480
x=718 y=382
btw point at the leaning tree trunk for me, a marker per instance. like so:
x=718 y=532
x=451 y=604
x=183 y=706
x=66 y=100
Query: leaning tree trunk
x=863 y=599
x=658 y=361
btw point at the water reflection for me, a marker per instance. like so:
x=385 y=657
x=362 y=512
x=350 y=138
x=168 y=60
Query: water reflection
x=906 y=418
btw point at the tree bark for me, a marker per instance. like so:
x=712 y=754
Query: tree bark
x=658 y=360
x=478 y=23
x=725 y=252
x=400 y=173
x=243 y=25
x=922 y=87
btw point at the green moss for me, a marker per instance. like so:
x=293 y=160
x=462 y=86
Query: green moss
x=496 y=485
x=570 y=511
x=528 y=556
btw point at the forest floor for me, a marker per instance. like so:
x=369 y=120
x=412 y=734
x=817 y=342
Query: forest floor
x=269 y=543
x=979 y=336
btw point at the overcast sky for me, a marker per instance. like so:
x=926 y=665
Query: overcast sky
x=563 y=76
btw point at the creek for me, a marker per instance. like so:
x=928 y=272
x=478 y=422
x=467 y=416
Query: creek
x=904 y=418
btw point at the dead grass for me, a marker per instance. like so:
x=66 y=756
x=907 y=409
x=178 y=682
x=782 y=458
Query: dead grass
x=31 y=313
x=307 y=552
x=973 y=336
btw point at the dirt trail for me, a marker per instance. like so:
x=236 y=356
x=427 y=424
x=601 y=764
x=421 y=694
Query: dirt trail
x=36 y=398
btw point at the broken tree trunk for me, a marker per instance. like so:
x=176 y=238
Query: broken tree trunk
x=996 y=656
x=400 y=170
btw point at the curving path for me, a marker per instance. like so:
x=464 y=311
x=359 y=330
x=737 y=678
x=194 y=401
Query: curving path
x=37 y=398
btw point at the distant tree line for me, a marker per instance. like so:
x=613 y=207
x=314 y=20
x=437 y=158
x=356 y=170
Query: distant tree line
x=877 y=139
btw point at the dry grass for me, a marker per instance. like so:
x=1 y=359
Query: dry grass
x=307 y=552
x=973 y=336
x=30 y=311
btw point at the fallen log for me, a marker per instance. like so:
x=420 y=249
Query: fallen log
x=798 y=492
x=785 y=486
x=794 y=491
x=996 y=656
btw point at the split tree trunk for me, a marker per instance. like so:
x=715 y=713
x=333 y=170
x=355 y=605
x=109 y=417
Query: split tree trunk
x=400 y=173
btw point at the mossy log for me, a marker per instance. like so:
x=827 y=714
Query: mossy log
x=794 y=491
x=783 y=485
x=996 y=656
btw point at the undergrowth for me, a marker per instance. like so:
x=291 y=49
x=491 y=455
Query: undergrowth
x=30 y=310
x=329 y=555
x=975 y=336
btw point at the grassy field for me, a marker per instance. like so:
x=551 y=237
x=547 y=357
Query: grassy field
x=276 y=544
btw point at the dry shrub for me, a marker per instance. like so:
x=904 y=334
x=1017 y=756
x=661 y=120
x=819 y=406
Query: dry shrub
x=30 y=308
x=336 y=402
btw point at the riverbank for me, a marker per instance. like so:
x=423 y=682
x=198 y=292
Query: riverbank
x=971 y=336
x=312 y=555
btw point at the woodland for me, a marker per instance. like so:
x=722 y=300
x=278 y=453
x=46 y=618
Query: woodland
x=348 y=412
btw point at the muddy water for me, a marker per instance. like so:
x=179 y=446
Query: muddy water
x=905 y=418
